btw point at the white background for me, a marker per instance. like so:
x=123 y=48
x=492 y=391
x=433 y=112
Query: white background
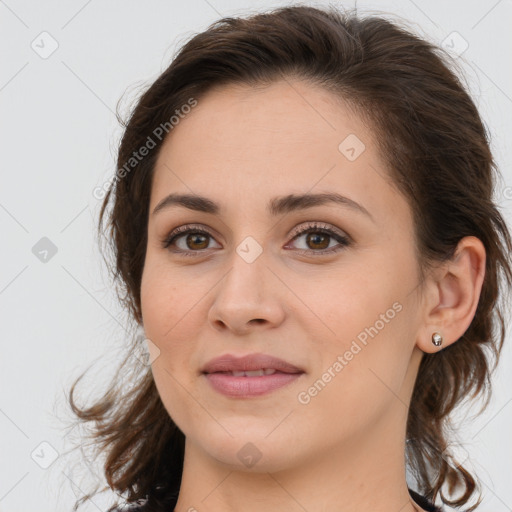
x=59 y=136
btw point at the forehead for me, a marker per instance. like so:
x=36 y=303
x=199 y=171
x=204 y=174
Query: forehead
x=245 y=144
x=243 y=117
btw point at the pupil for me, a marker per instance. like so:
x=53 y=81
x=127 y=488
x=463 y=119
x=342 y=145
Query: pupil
x=195 y=236
x=315 y=237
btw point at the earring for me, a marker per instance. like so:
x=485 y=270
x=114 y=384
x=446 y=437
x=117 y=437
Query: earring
x=437 y=339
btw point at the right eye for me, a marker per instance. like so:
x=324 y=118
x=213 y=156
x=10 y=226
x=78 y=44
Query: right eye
x=193 y=239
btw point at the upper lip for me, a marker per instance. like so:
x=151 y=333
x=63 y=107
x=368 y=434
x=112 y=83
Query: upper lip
x=228 y=363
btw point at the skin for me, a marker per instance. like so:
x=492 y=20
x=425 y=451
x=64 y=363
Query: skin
x=344 y=449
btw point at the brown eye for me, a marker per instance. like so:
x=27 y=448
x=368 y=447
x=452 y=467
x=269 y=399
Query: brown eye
x=318 y=240
x=193 y=241
x=188 y=240
x=196 y=240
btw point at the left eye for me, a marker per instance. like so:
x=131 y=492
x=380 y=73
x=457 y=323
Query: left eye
x=320 y=238
x=196 y=240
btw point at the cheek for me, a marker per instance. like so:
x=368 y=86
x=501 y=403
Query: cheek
x=358 y=382
x=172 y=314
x=160 y=318
x=347 y=303
x=176 y=393
x=162 y=299
x=169 y=324
x=365 y=348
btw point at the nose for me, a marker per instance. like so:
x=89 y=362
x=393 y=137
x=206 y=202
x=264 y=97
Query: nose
x=247 y=298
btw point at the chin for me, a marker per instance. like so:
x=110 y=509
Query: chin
x=250 y=450
x=252 y=458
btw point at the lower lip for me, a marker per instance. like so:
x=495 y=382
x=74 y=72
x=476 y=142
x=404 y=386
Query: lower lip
x=230 y=385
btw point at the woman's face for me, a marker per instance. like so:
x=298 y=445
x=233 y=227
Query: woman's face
x=339 y=303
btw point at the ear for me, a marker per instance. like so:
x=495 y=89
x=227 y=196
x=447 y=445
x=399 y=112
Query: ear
x=452 y=295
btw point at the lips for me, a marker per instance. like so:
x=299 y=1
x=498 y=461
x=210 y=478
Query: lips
x=252 y=365
x=252 y=376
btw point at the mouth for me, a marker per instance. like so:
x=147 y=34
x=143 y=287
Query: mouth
x=251 y=373
x=248 y=364
x=249 y=376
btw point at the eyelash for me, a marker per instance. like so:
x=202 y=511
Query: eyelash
x=313 y=227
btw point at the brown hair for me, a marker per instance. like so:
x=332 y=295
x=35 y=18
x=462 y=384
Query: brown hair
x=437 y=150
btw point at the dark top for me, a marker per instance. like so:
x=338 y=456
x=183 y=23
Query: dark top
x=423 y=502
x=418 y=498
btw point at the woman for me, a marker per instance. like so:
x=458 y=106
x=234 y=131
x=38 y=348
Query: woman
x=304 y=230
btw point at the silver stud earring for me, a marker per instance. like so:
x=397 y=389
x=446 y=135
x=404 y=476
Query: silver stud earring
x=437 y=339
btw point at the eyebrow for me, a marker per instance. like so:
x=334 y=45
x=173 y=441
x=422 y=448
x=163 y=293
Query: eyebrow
x=276 y=206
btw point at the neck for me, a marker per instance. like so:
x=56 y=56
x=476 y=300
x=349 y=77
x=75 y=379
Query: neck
x=366 y=473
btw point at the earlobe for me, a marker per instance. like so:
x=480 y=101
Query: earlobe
x=458 y=284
